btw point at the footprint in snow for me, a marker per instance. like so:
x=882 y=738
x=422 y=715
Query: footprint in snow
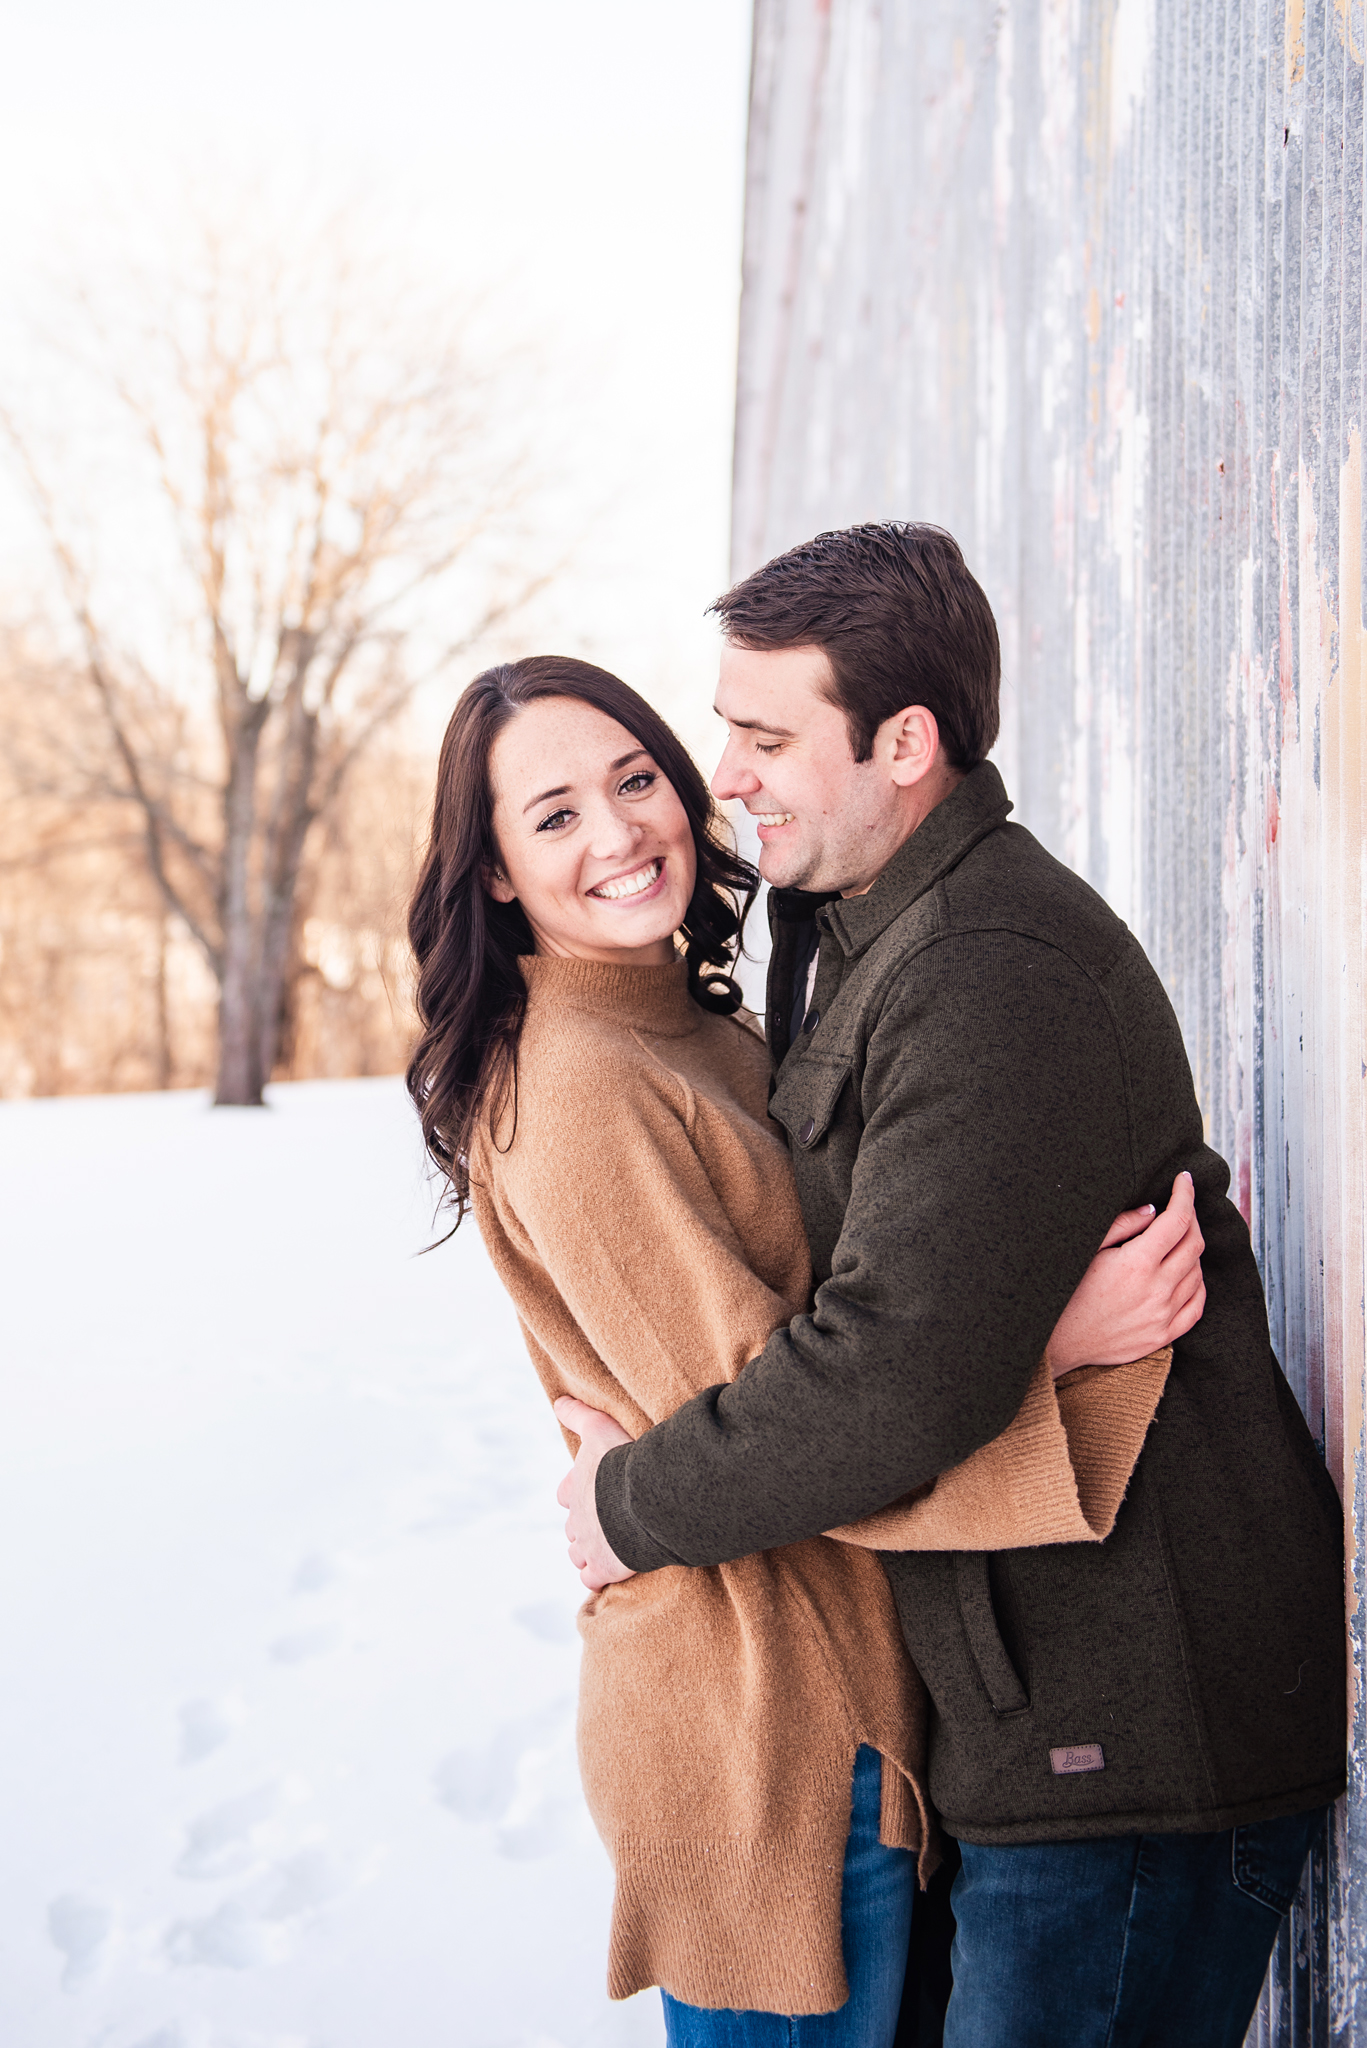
x=546 y=1812
x=226 y=1839
x=524 y=1780
x=314 y=1571
x=205 y=1726
x=303 y=1643
x=80 y=1928
x=478 y=1784
x=261 y=1924
x=548 y=1620
x=231 y=1938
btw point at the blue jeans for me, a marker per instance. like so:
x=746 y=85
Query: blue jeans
x=1136 y=1941
x=875 y=1924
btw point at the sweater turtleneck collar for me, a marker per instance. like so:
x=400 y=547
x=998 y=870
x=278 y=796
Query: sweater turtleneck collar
x=653 y=999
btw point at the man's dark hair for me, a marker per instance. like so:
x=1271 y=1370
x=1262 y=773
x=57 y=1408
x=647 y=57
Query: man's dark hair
x=900 y=619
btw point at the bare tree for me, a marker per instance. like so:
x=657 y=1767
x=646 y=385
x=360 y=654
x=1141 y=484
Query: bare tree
x=314 y=483
x=102 y=988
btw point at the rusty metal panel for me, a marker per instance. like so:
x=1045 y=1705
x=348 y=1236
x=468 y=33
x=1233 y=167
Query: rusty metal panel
x=1082 y=281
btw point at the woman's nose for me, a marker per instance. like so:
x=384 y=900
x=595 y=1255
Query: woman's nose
x=614 y=832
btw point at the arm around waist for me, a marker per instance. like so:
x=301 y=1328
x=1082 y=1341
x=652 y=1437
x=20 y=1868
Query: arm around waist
x=995 y=1148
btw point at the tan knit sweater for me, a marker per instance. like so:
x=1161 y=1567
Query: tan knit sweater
x=639 y=1206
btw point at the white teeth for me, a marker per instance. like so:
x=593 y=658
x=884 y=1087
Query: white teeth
x=629 y=885
x=774 y=817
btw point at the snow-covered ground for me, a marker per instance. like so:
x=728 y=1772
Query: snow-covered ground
x=287 y=1654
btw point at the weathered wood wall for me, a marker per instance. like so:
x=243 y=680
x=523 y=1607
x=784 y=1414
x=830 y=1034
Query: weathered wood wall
x=1082 y=281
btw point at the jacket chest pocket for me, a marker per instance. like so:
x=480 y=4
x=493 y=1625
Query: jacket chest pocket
x=807 y=1096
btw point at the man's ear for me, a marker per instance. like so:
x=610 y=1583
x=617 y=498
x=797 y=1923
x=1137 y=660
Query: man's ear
x=497 y=885
x=912 y=738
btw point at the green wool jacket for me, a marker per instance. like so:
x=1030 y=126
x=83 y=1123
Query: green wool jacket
x=989 y=1072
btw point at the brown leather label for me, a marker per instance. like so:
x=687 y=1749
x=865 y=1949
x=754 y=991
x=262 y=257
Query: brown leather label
x=1080 y=1756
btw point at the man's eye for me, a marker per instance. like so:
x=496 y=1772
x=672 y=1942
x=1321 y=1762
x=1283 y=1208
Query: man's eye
x=640 y=779
x=554 y=822
x=760 y=749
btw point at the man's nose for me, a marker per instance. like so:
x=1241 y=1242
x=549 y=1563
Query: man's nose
x=733 y=777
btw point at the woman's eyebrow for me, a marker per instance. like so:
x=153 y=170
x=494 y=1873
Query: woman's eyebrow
x=623 y=761
x=545 y=795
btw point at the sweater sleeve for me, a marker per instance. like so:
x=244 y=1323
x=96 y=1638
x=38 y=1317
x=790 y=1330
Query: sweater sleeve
x=995 y=1149
x=1057 y=1473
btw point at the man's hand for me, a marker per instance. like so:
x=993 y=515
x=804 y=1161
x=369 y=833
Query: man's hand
x=1134 y=1300
x=589 y=1552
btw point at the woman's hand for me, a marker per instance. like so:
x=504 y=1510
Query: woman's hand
x=590 y=1554
x=1143 y=1289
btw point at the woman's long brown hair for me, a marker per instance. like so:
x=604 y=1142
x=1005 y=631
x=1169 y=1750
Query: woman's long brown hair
x=470 y=994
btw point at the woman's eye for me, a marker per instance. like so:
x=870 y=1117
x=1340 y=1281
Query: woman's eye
x=759 y=749
x=635 y=783
x=554 y=822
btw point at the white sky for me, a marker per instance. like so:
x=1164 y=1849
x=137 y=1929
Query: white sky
x=585 y=161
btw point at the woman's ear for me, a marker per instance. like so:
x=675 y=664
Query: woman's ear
x=497 y=885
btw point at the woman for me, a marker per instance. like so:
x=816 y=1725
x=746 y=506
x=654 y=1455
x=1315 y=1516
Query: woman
x=751 y=1735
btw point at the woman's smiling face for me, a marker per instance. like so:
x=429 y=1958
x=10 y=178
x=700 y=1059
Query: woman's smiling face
x=592 y=840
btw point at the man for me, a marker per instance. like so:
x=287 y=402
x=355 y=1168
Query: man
x=977 y=1068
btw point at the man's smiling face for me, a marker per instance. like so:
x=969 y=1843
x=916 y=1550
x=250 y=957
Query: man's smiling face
x=825 y=820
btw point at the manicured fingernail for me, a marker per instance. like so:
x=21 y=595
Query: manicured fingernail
x=1148 y=1210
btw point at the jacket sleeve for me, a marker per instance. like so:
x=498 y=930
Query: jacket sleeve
x=995 y=1149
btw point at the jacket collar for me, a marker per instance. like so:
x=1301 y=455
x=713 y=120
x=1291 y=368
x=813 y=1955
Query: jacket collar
x=973 y=808
x=794 y=906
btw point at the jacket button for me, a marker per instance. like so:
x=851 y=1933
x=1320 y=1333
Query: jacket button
x=806 y=1130
x=811 y=1020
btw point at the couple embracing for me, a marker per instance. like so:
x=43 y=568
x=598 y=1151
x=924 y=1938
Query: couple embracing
x=936 y=1487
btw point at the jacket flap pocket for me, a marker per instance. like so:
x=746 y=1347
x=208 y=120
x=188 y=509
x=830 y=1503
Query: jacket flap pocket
x=806 y=1096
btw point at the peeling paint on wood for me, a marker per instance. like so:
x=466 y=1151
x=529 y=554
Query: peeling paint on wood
x=1082 y=281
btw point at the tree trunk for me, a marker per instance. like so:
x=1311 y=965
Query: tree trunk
x=163 y=1009
x=285 y=855
x=240 y=1078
